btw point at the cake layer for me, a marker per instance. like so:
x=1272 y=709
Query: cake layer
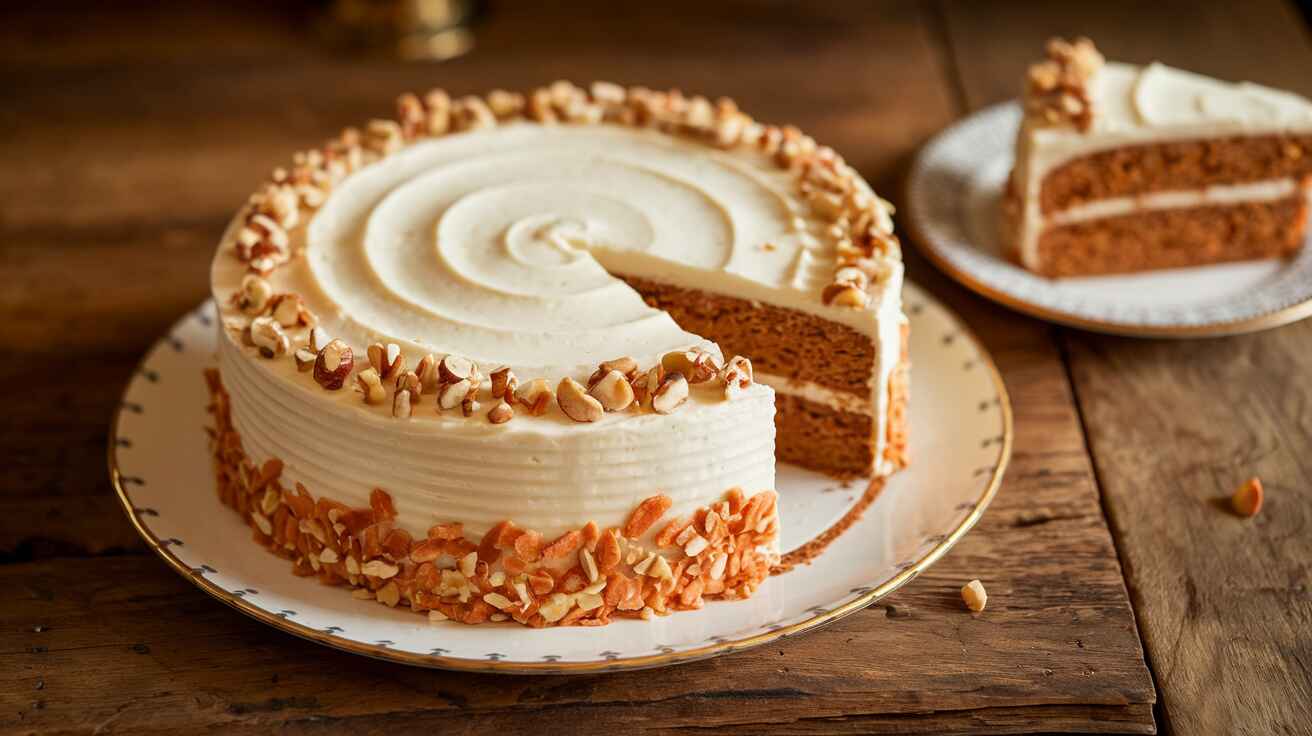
x=1174 y=237
x=833 y=438
x=819 y=362
x=1175 y=165
x=837 y=443
x=556 y=474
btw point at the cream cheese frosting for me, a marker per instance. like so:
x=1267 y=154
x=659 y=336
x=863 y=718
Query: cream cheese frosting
x=1134 y=105
x=500 y=245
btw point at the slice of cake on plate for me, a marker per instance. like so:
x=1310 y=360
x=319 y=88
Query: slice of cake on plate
x=530 y=357
x=1123 y=168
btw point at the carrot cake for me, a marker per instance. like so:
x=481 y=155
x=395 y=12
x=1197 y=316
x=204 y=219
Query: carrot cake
x=531 y=357
x=1123 y=168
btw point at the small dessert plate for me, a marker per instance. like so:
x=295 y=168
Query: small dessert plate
x=953 y=197
x=961 y=435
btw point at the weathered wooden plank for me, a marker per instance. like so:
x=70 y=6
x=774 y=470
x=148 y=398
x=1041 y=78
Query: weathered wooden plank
x=1223 y=604
x=1227 y=611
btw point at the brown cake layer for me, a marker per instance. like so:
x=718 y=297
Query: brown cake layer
x=814 y=436
x=779 y=341
x=1175 y=165
x=1170 y=238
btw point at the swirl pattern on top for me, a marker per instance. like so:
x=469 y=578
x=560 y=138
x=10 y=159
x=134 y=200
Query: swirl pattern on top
x=501 y=245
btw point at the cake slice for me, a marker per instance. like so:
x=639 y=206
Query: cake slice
x=1123 y=168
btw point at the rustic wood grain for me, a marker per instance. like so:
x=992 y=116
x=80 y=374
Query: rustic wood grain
x=154 y=124
x=1224 y=604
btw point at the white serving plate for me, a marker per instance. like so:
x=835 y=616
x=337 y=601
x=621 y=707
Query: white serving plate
x=953 y=195
x=961 y=441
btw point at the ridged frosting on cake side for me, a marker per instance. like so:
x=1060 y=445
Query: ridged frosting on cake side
x=550 y=474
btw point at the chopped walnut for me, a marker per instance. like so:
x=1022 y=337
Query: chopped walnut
x=289 y=310
x=333 y=364
x=262 y=244
x=645 y=384
x=318 y=339
x=576 y=403
x=370 y=385
x=696 y=365
x=386 y=360
x=254 y=295
x=535 y=396
x=409 y=381
x=737 y=377
x=845 y=295
x=305 y=359
x=670 y=394
x=628 y=367
x=454 y=368
x=452 y=395
x=470 y=406
x=437 y=104
x=504 y=383
x=268 y=337
x=1057 y=89
x=471 y=113
x=412 y=116
x=427 y=373
x=383 y=136
x=401 y=404
x=613 y=391
x=608 y=93
x=505 y=104
x=501 y=413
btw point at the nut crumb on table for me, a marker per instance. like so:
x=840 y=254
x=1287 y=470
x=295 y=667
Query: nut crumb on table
x=1247 y=498
x=974 y=595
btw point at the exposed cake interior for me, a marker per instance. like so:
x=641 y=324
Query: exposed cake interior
x=832 y=385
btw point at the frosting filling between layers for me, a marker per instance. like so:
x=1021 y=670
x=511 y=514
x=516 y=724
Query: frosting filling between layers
x=1265 y=191
x=817 y=394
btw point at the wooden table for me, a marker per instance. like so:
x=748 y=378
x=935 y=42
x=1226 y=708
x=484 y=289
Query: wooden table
x=1122 y=597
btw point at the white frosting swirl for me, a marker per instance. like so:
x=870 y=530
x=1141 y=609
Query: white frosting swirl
x=495 y=245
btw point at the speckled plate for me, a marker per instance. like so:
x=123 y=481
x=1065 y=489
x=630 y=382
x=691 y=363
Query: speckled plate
x=961 y=441
x=953 y=196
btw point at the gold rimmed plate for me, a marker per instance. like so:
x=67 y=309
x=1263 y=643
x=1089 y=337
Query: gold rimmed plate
x=953 y=202
x=961 y=440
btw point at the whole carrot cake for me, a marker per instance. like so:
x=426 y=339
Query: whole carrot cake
x=1124 y=168
x=531 y=357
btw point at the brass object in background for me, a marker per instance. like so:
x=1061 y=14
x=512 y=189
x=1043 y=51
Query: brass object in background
x=433 y=30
